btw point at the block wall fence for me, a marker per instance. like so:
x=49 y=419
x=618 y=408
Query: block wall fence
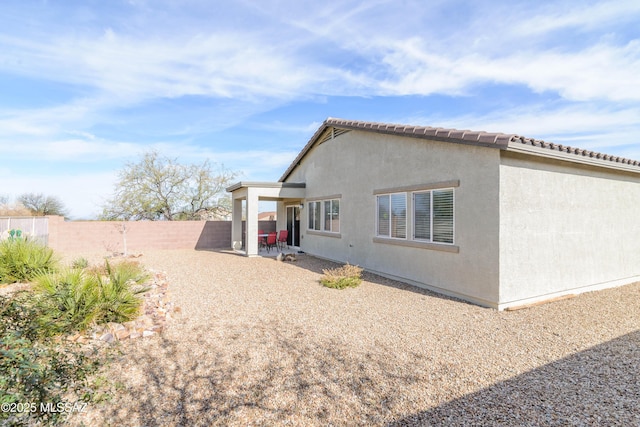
x=96 y=236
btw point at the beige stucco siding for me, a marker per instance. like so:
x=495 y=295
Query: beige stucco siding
x=356 y=164
x=565 y=228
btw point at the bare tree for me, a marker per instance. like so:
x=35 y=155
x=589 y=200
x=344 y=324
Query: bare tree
x=39 y=204
x=161 y=188
x=11 y=209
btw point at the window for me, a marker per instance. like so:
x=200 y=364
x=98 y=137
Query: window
x=392 y=215
x=332 y=215
x=422 y=215
x=433 y=216
x=314 y=215
x=417 y=216
x=443 y=216
x=383 y=215
x=324 y=215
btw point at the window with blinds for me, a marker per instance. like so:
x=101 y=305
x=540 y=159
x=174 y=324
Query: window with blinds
x=422 y=216
x=433 y=216
x=443 y=216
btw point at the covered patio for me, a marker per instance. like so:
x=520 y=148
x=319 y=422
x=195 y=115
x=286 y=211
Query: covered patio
x=289 y=198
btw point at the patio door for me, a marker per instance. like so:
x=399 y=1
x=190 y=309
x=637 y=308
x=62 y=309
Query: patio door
x=293 y=225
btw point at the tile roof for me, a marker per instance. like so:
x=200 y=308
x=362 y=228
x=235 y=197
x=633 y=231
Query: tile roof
x=487 y=139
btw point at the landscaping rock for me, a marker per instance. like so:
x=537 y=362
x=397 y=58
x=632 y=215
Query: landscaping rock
x=286 y=257
x=123 y=334
x=108 y=337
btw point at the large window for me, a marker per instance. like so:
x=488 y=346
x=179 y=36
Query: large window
x=392 y=215
x=324 y=215
x=416 y=215
x=433 y=216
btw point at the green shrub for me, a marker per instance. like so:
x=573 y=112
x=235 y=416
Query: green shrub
x=37 y=369
x=73 y=299
x=80 y=263
x=120 y=292
x=23 y=259
x=68 y=299
x=347 y=276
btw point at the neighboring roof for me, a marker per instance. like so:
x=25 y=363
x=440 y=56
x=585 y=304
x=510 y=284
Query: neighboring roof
x=480 y=138
x=265 y=216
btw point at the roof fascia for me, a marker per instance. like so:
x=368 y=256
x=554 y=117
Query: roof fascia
x=570 y=157
x=257 y=184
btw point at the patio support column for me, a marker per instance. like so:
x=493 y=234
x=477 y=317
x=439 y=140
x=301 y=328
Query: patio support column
x=281 y=216
x=252 y=222
x=236 y=224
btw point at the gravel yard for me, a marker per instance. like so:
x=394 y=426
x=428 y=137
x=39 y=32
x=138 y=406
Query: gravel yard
x=260 y=342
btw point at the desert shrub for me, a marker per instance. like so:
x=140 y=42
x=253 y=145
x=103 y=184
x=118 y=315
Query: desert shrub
x=68 y=299
x=36 y=368
x=120 y=292
x=22 y=259
x=80 y=263
x=73 y=299
x=347 y=276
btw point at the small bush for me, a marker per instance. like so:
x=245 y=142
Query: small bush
x=120 y=292
x=347 y=276
x=80 y=263
x=73 y=299
x=22 y=259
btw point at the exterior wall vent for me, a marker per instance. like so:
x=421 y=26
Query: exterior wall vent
x=332 y=134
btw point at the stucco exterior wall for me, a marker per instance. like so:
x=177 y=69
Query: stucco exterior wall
x=355 y=164
x=565 y=228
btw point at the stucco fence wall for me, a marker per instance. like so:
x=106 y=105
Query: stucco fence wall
x=94 y=236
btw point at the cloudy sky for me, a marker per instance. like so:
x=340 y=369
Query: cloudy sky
x=88 y=85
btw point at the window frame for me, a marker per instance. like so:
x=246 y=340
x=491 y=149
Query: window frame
x=432 y=208
x=320 y=217
x=314 y=218
x=390 y=205
x=411 y=240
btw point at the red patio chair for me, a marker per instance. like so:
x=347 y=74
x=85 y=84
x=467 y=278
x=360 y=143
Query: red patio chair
x=271 y=240
x=282 y=239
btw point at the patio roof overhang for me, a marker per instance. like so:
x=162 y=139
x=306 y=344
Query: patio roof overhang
x=252 y=193
x=268 y=190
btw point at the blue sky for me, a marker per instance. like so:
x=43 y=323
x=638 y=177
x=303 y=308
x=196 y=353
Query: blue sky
x=86 y=86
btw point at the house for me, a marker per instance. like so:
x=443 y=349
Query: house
x=267 y=216
x=495 y=219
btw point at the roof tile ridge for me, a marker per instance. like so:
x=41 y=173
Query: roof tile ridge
x=575 y=150
x=470 y=136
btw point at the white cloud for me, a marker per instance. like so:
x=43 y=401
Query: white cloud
x=252 y=64
x=599 y=72
x=132 y=70
x=253 y=57
x=580 y=16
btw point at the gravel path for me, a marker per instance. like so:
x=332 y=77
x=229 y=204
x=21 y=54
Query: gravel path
x=263 y=343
